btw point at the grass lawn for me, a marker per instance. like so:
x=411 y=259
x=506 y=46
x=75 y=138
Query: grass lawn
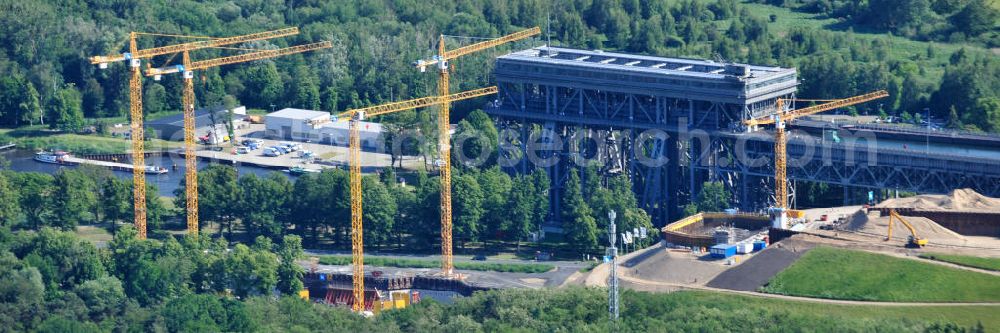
x=992 y=264
x=93 y=234
x=854 y=275
x=38 y=138
x=962 y=315
x=421 y=263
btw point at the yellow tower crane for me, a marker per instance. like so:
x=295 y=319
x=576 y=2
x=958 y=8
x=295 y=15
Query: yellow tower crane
x=780 y=119
x=187 y=68
x=354 y=156
x=134 y=57
x=444 y=139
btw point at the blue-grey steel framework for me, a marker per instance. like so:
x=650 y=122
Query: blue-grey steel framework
x=602 y=100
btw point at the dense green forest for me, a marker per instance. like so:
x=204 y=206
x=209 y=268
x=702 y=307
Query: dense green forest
x=48 y=77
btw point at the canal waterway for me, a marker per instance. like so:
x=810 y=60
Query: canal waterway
x=23 y=160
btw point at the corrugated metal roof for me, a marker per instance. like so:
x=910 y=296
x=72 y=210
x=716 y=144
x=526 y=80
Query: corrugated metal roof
x=632 y=62
x=365 y=126
x=294 y=113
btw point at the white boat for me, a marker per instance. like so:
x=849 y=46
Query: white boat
x=58 y=157
x=155 y=170
x=298 y=171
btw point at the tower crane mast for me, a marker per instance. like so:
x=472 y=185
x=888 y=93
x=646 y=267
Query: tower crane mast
x=187 y=68
x=355 y=116
x=134 y=57
x=441 y=61
x=780 y=140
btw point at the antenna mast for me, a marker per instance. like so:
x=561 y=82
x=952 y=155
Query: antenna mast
x=612 y=252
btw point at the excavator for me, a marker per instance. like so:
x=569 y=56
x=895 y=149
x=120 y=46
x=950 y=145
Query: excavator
x=913 y=241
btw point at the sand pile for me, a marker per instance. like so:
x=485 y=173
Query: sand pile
x=957 y=200
x=879 y=225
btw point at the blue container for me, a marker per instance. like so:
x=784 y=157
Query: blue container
x=759 y=245
x=723 y=251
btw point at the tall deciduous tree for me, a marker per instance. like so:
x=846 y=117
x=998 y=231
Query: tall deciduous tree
x=253 y=271
x=218 y=196
x=713 y=197
x=19 y=101
x=155 y=99
x=65 y=111
x=290 y=273
x=495 y=185
x=380 y=211
x=36 y=189
x=578 y=220
x=74 y=199
x=263 y=203
x=93 y=99
x=304 y=93
x=467 y=199
x=263 y=85
x=977 y=17
x=115 y=200
x=9 y=207
x=542 y=185
x=521 y=208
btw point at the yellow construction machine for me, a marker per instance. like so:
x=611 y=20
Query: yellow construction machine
x=912 y=241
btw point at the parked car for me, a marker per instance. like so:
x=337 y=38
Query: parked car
x=272 y=152
x=281 y=149
x=291 y=146
x=242 y=150
x=252 y=144
x=479 y=257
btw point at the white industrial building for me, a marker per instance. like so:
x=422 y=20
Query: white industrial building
x=319 y=127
